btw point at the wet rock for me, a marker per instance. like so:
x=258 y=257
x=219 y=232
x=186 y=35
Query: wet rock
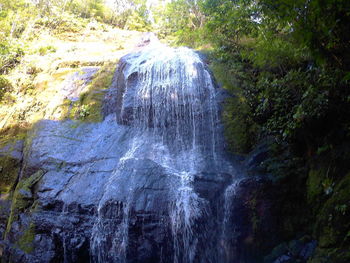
x=210 y=185
x=283 y=259
x=5 y=209
x=13 y=150
x=300 y=250
x=25 y=194
x=75 y=84
x=255 y=160
x=308 y=250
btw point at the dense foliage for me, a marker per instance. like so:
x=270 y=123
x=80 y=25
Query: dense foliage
x=300 y=65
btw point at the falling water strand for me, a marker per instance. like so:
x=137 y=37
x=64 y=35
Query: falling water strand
x=183 y=213
x=63 y=214
x=116 y=221
x=228 y=230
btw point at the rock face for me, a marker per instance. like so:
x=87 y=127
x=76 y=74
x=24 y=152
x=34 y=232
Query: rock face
x=145 y=185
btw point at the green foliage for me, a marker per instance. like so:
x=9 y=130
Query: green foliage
x=84 y=111
x=300 y=74
x=341 y=208
x=19 y=19
x=320 y=25
x=45 y=50
x=274 y=53
x=228 y=21
x=61 y=22
x=14 y=17
x=88 y=8
x=137 y=21
x=181 y=21
x=10 y=55
x=293 y=107
x=240 y=131
x=5 y=86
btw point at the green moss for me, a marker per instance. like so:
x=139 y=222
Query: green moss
x=25 y=242
x=78 y=63
x=22 y=197
x=12 y=133
x=321 y=256
x=329 y=235
x=65 y=109
x=314 y=185
x=9 y=169
x=90 y=101
x=43 y=50
x=225 y=75
x=88 y=108
x=240 y=129
x=333 y=224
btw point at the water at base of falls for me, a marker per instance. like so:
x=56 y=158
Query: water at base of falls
x=167 y=98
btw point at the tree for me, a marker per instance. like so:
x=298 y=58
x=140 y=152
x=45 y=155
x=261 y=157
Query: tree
x=181 y=18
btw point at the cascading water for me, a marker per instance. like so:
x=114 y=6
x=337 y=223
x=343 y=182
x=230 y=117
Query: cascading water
x=167 y=98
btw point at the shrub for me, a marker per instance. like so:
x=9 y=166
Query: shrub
x=84 y=111
x=275 y=53
x=45 y=50
x=10 y=56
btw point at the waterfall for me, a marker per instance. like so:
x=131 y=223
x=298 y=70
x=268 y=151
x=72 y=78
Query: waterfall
x=167 y=98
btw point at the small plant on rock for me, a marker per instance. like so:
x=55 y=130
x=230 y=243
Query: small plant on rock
x=84 y=111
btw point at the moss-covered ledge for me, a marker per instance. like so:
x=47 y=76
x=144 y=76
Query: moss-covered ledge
x=9 y=170
x=23 y=200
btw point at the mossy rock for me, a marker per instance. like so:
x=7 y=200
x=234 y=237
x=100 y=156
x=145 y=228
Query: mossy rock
x=240 y=132
x=9 y=169
x=25 y=243
x=23 y=197
x=276 y=252
x=91 y=100
x=333 y=223
x=314 y=186
x=89 y=106
x=12 y=133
